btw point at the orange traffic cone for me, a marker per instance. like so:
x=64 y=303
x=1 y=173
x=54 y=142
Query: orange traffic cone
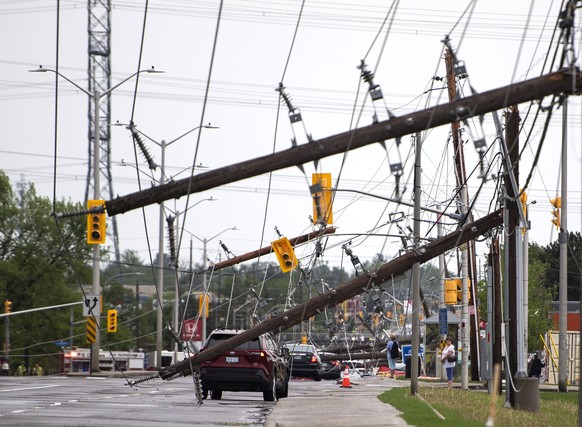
x=346 y=379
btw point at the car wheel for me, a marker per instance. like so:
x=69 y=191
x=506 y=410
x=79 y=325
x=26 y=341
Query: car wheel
x=270 y=395
x=317 y=376
x=216 y=394
x=285 y=391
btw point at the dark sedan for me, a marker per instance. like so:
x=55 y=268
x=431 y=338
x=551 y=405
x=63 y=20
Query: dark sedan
x=305 y=361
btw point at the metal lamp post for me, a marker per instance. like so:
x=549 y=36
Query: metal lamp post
x=96 y=96
x=160 y=285
x=204 y=243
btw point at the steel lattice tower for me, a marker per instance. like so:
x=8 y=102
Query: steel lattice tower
x=99 y=29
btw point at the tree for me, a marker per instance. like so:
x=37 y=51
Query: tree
x=43 y=262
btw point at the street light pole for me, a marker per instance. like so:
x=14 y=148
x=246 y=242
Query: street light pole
x=96 y=289
x=204 y=265
x=160 y=288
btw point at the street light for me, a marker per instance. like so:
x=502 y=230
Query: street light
x=160 y=284
x=96 y=96
x=204 y=243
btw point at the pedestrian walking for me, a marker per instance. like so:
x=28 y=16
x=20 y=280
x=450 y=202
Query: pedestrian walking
x=449 y=359
x=37 y=370
x=535 y=369
x=393 y=352
x=5 y=368
x=21 y=370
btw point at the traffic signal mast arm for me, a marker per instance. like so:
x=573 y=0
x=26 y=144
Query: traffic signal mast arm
x=335 y=296
x=464 y=108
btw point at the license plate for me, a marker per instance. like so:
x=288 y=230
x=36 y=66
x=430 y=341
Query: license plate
x=231 y=359
x=297 y=357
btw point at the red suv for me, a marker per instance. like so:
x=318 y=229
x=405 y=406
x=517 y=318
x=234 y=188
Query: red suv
x=257 y=365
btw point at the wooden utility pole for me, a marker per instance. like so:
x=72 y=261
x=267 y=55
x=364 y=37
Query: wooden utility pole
x=516 y=93
x=341 y=293
x=268 y=249
x=512 y=245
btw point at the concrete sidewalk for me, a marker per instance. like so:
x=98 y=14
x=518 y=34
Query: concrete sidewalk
x=357 y=406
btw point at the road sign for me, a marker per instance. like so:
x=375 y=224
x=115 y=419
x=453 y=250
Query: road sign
x=443 y=321
x=91 y=330
x=91 y=305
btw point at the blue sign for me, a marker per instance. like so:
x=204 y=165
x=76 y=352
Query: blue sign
x=61 y=343
x=407 y=351
x=443 y=321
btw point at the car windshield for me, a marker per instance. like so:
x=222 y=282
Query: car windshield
x=300 y=348
x=218 y=338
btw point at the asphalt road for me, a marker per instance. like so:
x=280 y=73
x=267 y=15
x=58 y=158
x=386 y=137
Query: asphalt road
x=106 y=401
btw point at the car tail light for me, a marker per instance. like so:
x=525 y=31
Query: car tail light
x=257 y=353
x=313 y=359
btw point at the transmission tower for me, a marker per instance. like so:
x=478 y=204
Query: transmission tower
x=100 y=80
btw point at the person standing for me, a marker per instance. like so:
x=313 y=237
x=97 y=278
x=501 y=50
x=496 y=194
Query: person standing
x=21 y=370
x=448 y=358
x=535 y=369
x=393 y=352
x=37 y=370
x=5 y=368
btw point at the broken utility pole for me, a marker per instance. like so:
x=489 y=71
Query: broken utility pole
x=537 y=88
x=337 y=295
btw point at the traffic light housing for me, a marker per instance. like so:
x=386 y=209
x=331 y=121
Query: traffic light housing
x=557 y=204
x=96 y=222
x=7 y=306
x=111 y=320
x=451 y=288
x=322 y=198
x=454 y=291
x=203 y=305
x=285 y=254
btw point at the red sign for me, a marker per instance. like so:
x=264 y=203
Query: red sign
x=192 y=330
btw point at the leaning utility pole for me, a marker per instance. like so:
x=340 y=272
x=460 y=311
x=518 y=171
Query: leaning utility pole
x=533 y=89
x=339 y=294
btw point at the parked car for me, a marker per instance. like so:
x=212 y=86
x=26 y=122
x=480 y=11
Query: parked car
x=331 y=368
x=257 y=365
x=305 y=361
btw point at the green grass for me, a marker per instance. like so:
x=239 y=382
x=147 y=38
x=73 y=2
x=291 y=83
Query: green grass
x=471 y=408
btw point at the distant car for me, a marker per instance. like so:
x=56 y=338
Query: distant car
x=331 y=369
x=304 y=361
x=257 y=365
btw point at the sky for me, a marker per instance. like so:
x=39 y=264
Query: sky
x=314 y=49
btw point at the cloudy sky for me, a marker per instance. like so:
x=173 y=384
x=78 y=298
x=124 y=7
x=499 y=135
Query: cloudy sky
x=225 y=72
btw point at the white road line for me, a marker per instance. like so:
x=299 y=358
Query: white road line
x=27 y=388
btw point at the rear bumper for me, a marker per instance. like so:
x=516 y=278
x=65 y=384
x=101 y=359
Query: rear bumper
x=229 y=379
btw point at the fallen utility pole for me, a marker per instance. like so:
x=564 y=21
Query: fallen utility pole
x=537 y=88
x=337 y=295
x=267 y=249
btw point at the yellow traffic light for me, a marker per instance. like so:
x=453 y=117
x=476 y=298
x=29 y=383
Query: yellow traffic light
x=451 y=287
x=556 y=203
x=285 y=254
x=111 y=320
x=556 y=218
x=322 y=198
x=203 y=305
x=96 y=223
x=7 y=306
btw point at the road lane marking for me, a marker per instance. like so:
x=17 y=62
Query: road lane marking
x=28 y=388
